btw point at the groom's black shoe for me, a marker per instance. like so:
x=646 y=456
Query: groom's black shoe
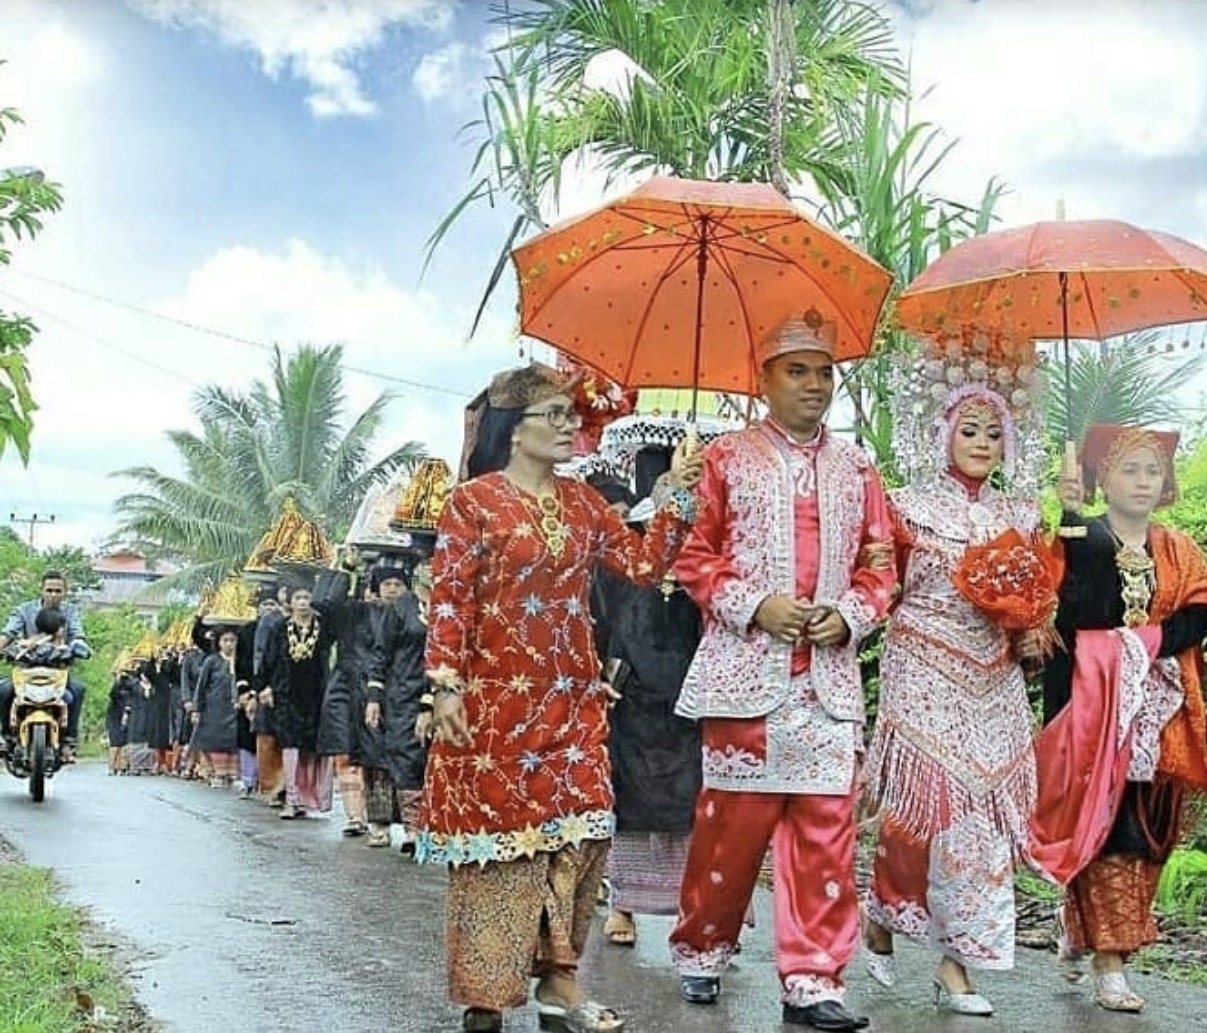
x=699 y=989
x=824 y=1015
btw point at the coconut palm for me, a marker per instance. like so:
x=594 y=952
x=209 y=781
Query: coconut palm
x=288 y=437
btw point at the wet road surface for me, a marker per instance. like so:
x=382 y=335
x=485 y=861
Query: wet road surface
x=246 y=923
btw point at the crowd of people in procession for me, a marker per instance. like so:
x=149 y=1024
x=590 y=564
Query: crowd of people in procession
x=648 y=677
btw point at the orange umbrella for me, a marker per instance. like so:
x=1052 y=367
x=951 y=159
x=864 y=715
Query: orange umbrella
x=675 y=284
x=1090 y=279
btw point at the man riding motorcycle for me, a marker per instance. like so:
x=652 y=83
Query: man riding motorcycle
x=22 y=624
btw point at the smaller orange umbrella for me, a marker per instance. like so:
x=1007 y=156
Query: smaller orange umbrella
x=676 y=284
x=1093 y=278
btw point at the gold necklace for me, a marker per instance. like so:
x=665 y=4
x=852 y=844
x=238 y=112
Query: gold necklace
x=302 y=640
x=548 y=513
x=1137 y=572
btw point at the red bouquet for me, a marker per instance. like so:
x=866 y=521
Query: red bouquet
x=1011 y=580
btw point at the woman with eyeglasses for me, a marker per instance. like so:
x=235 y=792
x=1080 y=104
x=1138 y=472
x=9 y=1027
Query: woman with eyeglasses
x=518 y=798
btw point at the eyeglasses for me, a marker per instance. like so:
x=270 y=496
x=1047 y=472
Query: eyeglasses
x=557 y=417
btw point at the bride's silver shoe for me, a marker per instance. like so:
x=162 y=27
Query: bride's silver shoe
x=961 y=1004
x=881 y=967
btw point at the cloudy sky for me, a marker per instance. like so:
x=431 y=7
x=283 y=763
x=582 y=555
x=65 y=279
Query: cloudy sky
x=240 y=173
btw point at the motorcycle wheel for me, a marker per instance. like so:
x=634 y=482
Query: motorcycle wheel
x=37 y=763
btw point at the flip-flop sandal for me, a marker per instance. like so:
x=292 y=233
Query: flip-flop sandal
x=621 y=932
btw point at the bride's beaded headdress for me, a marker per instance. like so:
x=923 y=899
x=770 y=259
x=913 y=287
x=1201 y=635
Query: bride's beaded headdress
x=930 y=382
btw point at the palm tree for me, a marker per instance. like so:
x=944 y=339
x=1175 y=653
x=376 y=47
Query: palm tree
x=287 y=437
x=1130 y=380
x=706 y=80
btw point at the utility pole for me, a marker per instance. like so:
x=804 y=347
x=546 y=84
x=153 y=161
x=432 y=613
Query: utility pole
x=32 y=521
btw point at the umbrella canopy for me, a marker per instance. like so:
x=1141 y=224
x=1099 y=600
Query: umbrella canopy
x=1090 y=279
x=676 y=284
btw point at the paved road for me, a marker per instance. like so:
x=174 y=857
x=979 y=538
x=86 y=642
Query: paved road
x=250 y=924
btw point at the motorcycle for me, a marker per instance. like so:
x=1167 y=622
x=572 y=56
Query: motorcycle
x=39 y=712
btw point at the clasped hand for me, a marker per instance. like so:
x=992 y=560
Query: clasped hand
x=793 y=620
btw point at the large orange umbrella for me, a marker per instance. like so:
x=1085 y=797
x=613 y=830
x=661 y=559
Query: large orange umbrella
x=675 y=284
x=1087 y=279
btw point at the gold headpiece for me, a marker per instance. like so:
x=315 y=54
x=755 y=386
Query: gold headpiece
x=422 y=502
x=291 y=540
x=146 y=647
x=232 y=604
x=123 y=662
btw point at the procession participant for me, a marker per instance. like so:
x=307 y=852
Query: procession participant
x=390 y=752
x=646 y=638
x=159 y=718
x=266 y=644
x=773 y=565
x=117 y=716
x=215 y=733
x=190 y=671
x=337 y=592
x=1123 y=745
x=300 y=659
x=518 y=799
x=392 y=738
x=951 y=766
x=140 y=759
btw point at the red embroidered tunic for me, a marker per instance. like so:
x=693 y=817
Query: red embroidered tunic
x=511 y=621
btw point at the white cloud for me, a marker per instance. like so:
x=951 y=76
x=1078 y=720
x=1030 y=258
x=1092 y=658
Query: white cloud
x=113 y=408
x=1045 y=94
x=317 y=41
x=444 y=72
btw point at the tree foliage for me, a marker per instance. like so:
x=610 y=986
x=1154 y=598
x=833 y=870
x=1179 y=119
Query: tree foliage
x=25 y=197
x=289 y=436
x=812 y=97
x=1128 y=380
x=702 y=86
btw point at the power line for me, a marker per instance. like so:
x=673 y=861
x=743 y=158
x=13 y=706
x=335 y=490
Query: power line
x=97 y=338
x=226 y=335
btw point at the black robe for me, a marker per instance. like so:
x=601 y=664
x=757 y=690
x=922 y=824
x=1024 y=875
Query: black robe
x=117 y=715
x=1091 y=598
x=298 y=685
x=353 y=628
x=401 y=634
x=656 y=762
x=217 y=694
x=141 y=707
x=159 y=710
x=189 y=672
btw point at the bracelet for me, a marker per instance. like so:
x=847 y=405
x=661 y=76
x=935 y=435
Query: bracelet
x=679 y=501
x=445 y=690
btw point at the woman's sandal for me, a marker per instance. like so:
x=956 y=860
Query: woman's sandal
x=620 y=929
x=1112 y=992
x=482 y=1020
x=585 y=1017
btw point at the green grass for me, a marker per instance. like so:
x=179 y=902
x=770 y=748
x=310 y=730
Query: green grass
x=1182 y=892
x=49 y=981
x=1036 y=888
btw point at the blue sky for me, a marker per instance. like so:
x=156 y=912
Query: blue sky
x=272 y=170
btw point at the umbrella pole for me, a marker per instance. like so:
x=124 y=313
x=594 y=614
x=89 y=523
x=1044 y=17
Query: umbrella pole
x=701 y=272
x=1064 y=317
